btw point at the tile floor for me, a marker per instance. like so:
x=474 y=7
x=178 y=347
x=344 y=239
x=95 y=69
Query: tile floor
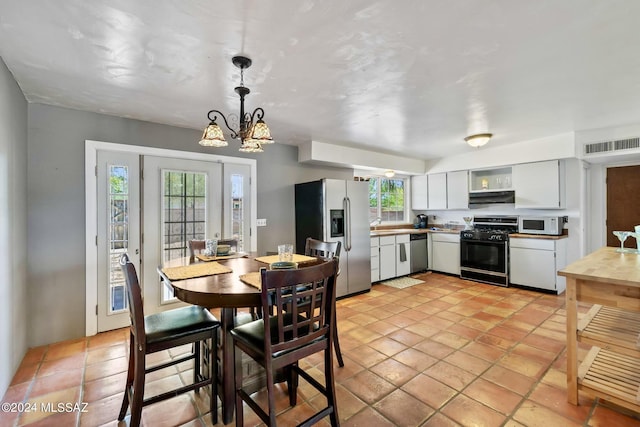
x=447 y=352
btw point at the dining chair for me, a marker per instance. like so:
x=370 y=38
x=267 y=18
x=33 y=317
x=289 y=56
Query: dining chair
x=157 y=332
x=197 y=246
x=326 y=250
x=278 y=341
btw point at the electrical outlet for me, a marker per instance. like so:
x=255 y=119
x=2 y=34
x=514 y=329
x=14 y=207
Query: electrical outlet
x=262 y=222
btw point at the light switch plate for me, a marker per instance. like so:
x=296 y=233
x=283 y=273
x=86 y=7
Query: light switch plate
x=262 y=222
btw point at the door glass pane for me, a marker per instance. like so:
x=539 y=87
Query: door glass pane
x=183 y=219
x=118 y=235
x=237 y=210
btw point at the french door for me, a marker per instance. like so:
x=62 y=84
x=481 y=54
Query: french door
x=182 y=200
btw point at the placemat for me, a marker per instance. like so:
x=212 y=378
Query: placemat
x=252 y=279
x=195 y=270
x=207 y=258
x=270 y=259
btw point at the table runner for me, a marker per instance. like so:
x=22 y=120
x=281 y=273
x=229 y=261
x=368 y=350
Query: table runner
x=195 y=270
x=270 y=259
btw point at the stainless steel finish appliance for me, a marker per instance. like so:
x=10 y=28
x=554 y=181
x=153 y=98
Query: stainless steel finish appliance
x=479 y=198
x=541 y=225
x=484 y=251
x=336 y=210
x=418 y=252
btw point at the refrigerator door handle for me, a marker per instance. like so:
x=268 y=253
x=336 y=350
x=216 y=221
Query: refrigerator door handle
x=346 y=204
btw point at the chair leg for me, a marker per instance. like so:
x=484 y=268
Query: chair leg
x=336 y=345
x=213 y=375
x=129 y=383
x=292 y=384
x=271 y=398
x=330 y=386
x=138 y=388
x=237 y=367
x=196 y=363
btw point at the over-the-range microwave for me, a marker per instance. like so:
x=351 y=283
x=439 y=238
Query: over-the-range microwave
x=551 y=226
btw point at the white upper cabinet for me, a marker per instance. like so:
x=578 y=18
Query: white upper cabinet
x=539 y=185
x=458 y=190
x=437 y=191
x=419 y=192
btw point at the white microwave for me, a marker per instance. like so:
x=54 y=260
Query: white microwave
x=551 y=226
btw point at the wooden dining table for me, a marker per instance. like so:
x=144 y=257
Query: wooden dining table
x=227 y=292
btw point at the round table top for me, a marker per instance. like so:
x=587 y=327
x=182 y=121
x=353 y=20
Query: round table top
x=220 y=290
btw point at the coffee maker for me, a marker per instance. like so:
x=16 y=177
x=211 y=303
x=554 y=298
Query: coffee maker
x=422 y=221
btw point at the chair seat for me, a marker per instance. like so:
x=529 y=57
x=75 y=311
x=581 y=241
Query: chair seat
x=252 y=333
x=173 y=324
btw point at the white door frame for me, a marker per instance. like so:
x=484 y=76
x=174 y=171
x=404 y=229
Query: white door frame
x=91 y=209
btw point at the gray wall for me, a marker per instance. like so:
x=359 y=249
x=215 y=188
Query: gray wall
x=56 y=216
x=13 y=226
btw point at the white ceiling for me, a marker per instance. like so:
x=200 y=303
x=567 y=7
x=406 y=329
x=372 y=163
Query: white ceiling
x=411 y=77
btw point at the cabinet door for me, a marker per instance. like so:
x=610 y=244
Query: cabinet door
x=533 y=267
x=375 y=263
x=419 y=191
x=387 y=261
x=446 y=257
x=403 y=267
x=437 y=191
x=538 y=185
x=457 y=190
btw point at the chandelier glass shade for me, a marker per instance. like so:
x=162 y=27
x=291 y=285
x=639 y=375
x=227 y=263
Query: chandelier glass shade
x=478 y=140
x=252 y=135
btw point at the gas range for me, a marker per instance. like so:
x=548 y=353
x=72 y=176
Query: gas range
x=484 y=251
x=493 y=229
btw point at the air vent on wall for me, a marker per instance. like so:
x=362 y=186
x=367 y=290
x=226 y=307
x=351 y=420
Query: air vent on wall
x=608 y=146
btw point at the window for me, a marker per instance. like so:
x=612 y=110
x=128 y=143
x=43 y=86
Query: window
x=386 y=199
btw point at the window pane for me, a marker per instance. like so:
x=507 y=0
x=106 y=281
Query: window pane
x=386 y=199
x=118 y=235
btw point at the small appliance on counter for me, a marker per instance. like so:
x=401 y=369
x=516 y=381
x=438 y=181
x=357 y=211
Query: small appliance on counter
x=421 y=221
x=551 y=226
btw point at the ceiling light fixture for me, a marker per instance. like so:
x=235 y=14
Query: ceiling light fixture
x=389 y=173
x=252 y=135
x=478 y=140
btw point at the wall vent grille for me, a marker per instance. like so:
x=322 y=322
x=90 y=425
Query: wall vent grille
x=620 y=144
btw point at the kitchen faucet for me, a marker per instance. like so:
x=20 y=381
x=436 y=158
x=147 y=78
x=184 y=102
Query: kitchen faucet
x=375 y=222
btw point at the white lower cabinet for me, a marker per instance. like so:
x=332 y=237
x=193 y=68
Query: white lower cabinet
x=535 y=263
x=445 y=253
x=375 y=259
x=403 y=255
x=387 y=257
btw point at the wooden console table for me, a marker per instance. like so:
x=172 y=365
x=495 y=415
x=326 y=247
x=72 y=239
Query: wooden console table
x=611 y=369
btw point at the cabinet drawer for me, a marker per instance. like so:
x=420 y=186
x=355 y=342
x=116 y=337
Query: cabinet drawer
x=542 y=244
x=375 y=242
x=402 y=238
x=387 y=240
x=445 y=237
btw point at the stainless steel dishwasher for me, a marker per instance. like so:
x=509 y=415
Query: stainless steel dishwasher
x=418 y=252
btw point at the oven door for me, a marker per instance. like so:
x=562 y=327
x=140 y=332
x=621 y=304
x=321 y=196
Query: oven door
x=483 y=255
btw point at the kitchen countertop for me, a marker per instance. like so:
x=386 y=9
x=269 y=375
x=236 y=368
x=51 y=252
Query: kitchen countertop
x=398 y=231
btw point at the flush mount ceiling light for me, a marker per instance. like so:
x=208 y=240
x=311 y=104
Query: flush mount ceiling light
x=478 y=140
x=252 y=135
x=389 y=173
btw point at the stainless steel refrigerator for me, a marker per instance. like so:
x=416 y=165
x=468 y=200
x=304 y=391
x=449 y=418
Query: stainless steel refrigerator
x=337 y=210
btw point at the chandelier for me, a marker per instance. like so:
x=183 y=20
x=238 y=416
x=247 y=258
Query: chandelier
x=252 y=135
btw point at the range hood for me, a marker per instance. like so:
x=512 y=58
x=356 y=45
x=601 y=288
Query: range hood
x=477 y=198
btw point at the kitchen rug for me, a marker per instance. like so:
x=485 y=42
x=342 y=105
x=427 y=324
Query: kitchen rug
x=402 y=282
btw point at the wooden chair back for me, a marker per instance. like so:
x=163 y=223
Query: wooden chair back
x=318 y=248
x=293 y=335
x=134 y=298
